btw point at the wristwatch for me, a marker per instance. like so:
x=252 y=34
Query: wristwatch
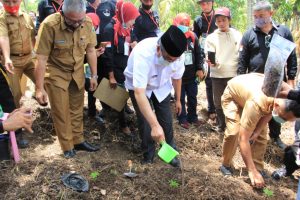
x=94 y=76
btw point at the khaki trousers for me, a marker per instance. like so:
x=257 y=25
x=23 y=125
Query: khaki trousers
x=22 y=65
x=231 y=138
x=67 y=113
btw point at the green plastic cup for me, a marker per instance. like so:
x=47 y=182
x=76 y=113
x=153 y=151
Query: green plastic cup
x=167 y=153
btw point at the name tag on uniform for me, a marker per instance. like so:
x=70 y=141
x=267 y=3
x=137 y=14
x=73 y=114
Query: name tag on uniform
x=188 y=58
x=59 y=41
x=202 y=40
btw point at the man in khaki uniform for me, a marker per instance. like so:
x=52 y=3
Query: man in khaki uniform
x=247 y=111
x=62 y=41
x=17 y=37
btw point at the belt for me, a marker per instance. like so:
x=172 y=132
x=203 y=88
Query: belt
x=20 y=54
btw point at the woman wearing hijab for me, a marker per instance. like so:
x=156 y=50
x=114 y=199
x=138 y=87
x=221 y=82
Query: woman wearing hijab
x=117 y=35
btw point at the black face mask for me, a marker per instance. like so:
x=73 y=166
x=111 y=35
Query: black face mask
x=146 y=7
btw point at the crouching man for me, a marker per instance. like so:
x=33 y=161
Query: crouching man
x=153 y=65
x=247 y=111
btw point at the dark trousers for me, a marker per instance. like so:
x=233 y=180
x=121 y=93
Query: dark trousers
x=92 y=100
x=209 y=94
x=164 y=116
x=189 y=90
x=274 y=128
x=6 y=97
x=219 y=85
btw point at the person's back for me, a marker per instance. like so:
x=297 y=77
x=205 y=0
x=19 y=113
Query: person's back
x=242 y=91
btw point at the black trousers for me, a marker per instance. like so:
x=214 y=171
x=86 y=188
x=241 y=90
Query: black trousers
x=274 y=128
x=209 y=94
x=164 y=116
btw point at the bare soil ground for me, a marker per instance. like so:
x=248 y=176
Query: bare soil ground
x=38 y=175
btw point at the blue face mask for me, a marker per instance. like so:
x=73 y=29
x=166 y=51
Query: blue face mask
x=261 y=22
x=184 y=29
x=277 y=118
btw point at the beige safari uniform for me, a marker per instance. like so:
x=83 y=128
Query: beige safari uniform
x=244 y=104
x=64 y=78
x=20 y=31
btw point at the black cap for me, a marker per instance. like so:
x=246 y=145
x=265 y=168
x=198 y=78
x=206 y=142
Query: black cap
x=174 y=41
x=91 y=1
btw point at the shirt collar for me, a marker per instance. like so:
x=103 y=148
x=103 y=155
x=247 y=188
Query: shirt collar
x=62 y=22
x=20 y=13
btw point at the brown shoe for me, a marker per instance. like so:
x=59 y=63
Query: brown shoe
x=185 y=125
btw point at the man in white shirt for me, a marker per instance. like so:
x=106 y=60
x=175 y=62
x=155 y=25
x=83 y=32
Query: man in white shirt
x=153 y=66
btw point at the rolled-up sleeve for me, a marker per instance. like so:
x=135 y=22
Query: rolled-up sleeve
x=180 y=68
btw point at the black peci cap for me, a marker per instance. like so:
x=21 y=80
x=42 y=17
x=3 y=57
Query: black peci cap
x=174 y=41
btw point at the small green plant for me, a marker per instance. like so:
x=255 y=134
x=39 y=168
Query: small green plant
x=268 y=192
x=94 y=175
x=173 y=183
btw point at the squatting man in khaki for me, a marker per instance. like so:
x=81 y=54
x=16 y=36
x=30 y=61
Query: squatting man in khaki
x=62 y=41
x=247 y=111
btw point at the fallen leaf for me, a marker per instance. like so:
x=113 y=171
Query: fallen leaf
x=96 y=188
x=103 y=192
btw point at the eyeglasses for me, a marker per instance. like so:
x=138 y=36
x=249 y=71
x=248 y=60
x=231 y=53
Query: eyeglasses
x=72 y=22
x=268 y=40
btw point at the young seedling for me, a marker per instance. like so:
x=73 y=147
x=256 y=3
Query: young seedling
x=173 y=183
x=94 y=175
x=268 y=192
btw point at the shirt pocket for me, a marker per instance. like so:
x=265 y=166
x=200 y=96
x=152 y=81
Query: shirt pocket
x=13 y=30
x=61 y=50
x=82 y=43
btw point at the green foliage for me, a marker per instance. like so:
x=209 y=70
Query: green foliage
x=173 y=183
x=29 y=5
x=286 y=12
x=94 y=175
x=268 y=192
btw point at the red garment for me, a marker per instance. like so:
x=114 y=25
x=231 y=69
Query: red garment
x=95 y=19
x=185 y=20
x=125 y=11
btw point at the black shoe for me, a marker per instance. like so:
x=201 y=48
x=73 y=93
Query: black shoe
x=99 y=119
x=279 y=173
x=175 y=162
x=279 y=143
x=85 y=146
x=70 y=154
x=128 y=110
x=146 y=161
x=226 y=171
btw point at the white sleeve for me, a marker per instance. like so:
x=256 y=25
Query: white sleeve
x=209 y=44
x=180 y=68
x=141 y=69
